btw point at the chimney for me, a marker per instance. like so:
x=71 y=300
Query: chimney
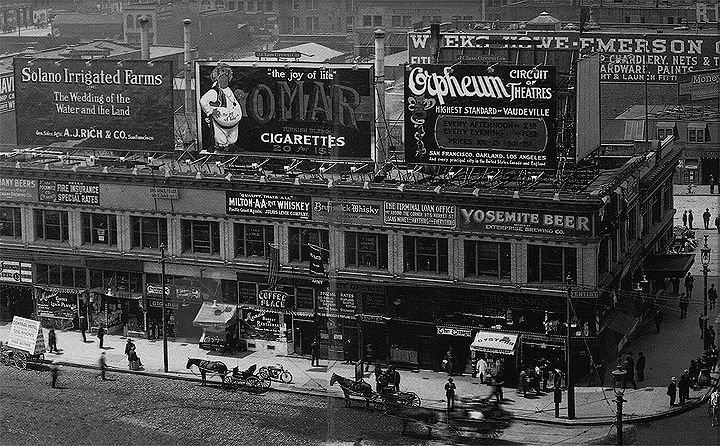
x=189 y=104
x=144 y=39
x=380 y=124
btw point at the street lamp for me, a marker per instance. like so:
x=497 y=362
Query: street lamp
x=619 y=388
x=705 y=260
x=570 y=388
x=164 y=322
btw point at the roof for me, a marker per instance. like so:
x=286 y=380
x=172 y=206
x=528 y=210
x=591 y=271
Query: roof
x=494 y=342
x=622 y=323
x=397 y=59
x=670 y=265
x=164 y=51
x=87 y=19
x=213 y=313
x=544 y=19
x=310 y=52
x=670 y=112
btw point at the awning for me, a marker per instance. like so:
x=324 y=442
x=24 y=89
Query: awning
x=215 y=315
x=622 y=323
x=494 y=342
x=669 y=265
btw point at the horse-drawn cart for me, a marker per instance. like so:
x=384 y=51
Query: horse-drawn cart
x=234 y=379
x=383 y=400
x=26 y=344
x=479 y=416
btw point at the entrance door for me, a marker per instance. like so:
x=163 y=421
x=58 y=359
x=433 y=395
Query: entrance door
x=426 y=352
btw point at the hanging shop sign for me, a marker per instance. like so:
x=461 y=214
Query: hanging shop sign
x=15 y=272
x=262 y=320
x=18 y=189
x=157 y=303
x=101 y=103
x=421 y=215
x=454 y=331
x=69 y=192
x=56 y=303
x=499 y=116
x=348 y=212
x=251 y=204
x=286 y=109
x=164 y=193
x=584 y=293
x=174 y=292
x=520 y=221
x=624 y=57
x=699 y=86
x=272 y=299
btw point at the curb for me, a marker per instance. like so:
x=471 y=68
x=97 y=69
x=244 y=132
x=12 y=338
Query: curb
x=605 y=421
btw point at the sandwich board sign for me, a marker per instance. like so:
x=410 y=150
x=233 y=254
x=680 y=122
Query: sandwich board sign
x=26 y=335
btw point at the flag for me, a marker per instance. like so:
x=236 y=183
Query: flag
x=317 y=269
x=273 y=265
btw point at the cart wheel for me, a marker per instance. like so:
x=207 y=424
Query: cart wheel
x=20 y=360
x=263 y=384
x=286 y=377
x=412 y=399
x=264 y=373
x=252 y=384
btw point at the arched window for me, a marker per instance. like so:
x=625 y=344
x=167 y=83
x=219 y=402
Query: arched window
x=130 y=22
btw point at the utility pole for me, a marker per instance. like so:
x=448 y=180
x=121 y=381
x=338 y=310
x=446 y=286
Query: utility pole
x=570 y=386
x=164 y=310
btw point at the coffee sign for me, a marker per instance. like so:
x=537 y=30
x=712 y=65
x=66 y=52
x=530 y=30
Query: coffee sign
x=272 y=299
x=517 y=221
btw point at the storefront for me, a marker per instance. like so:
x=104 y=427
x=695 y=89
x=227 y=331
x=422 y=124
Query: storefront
x=16 y=297
x=57 y=307
x=219 y=326
x=265 y=330
x=182 y=304
x=117 y=311
x=458 y=339
x=499 y=351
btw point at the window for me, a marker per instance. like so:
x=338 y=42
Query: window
x=130 y=22
x=366 y=250
x=486 y=259
x=296 y=24
x=300 y=238
x=200 y=237
x=59 y=275
x=551 y=263
x=634 y=130
x=117 y=280
x=311 y=24
x=253 y=240
x=99 y=229
x=665 y=129
x=696 y=132
x=349 y=21
x=269 y=6
x=367 y=20
x=10 y=222
x=396 y=21
x=632 y=224
x=425 y=254
x=304 y=298
x=377 y=20
x=51 y=225
x=406 y=21
x=148 y=232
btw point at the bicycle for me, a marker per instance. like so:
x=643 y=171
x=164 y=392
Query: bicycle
x=276 y=373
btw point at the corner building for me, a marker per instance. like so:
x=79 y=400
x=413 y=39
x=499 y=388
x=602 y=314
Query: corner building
x=411 y=272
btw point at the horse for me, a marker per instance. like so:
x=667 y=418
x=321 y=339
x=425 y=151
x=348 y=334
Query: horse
x=206 y=366
x=348 y=385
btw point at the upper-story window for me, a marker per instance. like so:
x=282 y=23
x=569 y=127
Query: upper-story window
x=550 y=263
x=301 y=238
x=366 y=250
x=697 y=132
x=367 y=20
x=426 y=254
x=99 y=229
x=487 y=259
x=130 y=22
x=665 y=129
x=10 y=222
x=51 y=225
x=200 y=237
x=116 y=280
x=253 y=240
x=148 y=232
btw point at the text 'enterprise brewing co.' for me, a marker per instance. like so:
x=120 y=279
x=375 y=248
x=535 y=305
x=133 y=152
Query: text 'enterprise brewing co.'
x=507 y=221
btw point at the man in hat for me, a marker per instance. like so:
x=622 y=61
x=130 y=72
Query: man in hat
x=450 y=393
x=684 y=386
x=672 y=391
x=222 y=107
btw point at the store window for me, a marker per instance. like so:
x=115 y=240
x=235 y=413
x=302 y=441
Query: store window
x=487 y=259
x=366 y=250
x=51 y=225
x=148 y=232
x=300 y=238
x=305 y=298
x=253 y=240
x=60 y=275
x=551 y=263
x=367 y=20
x=247 y=293
x=99 y=229
x=426 y=254
x=377 y=20
x=200 y=237
x=396 y=21
x=10 y=223
x=117 y=280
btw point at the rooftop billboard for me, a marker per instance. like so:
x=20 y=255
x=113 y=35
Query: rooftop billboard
x=501 y=116
x=324 y=111
x=105 y=104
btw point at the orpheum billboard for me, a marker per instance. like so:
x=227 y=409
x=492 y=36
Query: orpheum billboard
x=278 y=109
x=122 y=105
x=473 y=115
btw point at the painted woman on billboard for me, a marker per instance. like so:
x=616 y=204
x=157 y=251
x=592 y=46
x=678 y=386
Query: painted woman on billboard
x=222 y=107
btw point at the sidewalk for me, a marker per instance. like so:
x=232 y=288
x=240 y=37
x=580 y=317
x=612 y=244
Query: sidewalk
x=594 y=405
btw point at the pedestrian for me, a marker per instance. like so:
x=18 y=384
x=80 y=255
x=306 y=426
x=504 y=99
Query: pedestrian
x=133 y=358
x=658 y=320
x=315 y=353
x=129 y=345
x=712 y=295
x=685 y=218
x=712 y=184
x=640 y=367
x=683 y=305
x=711 y=336
x=672 y=391
x=347 y=351
x=706 y=218
x=497 y=390
x=689 y=283
x=684 y=387
x=83 y=328
x=369 y=356
x=52 y=341
x=690 y=218
x=394 y=378
x=450 y=393
x=481 y=369
x=378 y=372
x=101 y=335
x=103 y=365
x=54 y=371
x=448 y=362
x=630 y=369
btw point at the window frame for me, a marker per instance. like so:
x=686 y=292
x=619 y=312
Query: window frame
x=301 y=252
x=502 y=259
x=14 y=220
x=353 y=250
x=89 y=234
x=541 y=266
x=191 y=244
x=268 y=237
x=137 y=239
x=411 y=256
x=41 y=221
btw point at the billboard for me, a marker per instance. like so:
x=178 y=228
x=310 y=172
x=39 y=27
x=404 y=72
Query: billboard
x=624 y=57
x=476 y=115
x=106 y=104
x=252 y=204
x=699 y=86
x=505 y=222
x=286 y=109
x=69 y=192
x=587 y=106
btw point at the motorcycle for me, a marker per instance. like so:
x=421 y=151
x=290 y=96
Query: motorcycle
x=276 y=373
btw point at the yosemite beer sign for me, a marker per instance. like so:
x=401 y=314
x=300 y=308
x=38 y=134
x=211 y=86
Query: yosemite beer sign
x=519 y=221
x=498 y=116
x=286 y=109
x=123 y=105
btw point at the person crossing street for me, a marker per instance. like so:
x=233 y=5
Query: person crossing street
x=706 y=218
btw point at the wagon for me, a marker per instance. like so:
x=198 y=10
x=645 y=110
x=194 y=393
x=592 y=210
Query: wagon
x=384 y=400
x=479 y=416
x=20 y=358
x=26 y=344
